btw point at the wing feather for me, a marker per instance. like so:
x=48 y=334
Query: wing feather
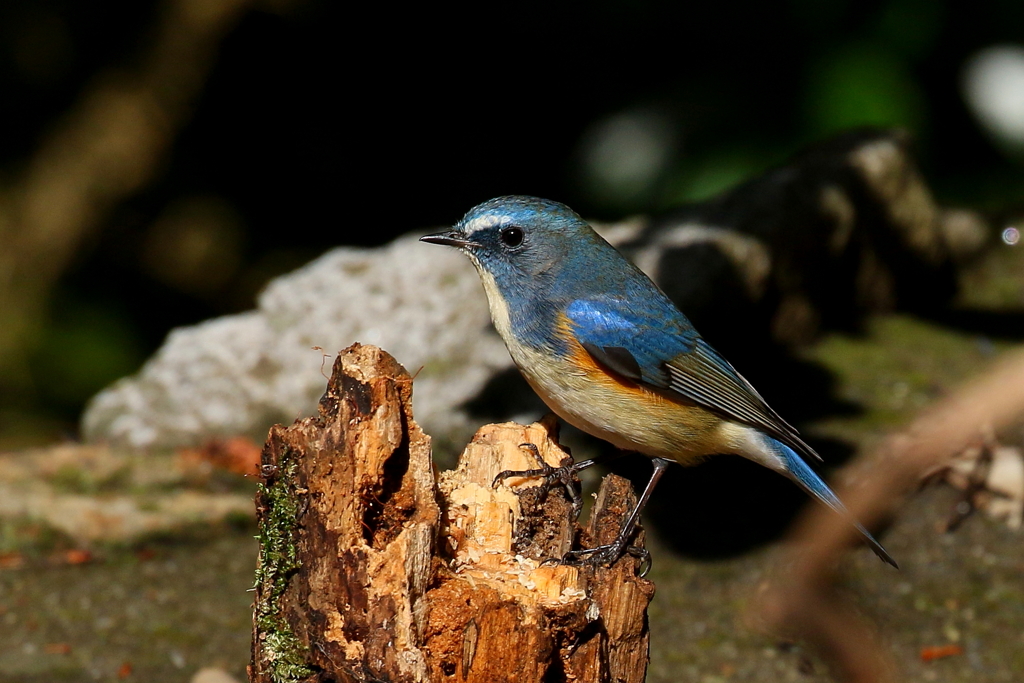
x=662 y=350
x=708 y=379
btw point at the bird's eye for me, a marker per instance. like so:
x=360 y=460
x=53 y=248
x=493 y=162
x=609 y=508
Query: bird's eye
x=512 y=237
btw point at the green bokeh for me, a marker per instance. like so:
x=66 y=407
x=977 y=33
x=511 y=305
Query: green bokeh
x=84 y=348
x=862 y=84
x=704 y=178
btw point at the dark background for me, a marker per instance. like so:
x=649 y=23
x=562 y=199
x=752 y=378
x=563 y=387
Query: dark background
x=317 y=127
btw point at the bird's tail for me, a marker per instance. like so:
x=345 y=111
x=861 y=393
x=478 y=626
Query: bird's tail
x=809 y=481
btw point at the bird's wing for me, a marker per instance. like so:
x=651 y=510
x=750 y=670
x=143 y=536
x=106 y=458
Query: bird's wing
x=661 y=349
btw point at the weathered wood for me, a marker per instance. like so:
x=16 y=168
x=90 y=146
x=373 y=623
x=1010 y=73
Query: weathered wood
x=371 y=571
x=347 y=518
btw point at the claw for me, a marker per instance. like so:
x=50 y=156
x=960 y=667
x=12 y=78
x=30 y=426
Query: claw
x=644 y=556
x=607 y=555
x=564 y=474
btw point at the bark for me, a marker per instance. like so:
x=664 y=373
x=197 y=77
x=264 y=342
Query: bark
x=372 y=569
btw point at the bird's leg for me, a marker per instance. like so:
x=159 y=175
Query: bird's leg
x=565 y=474
x=608 y=554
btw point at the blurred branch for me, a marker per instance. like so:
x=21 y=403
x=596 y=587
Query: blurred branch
x=108 y=146
x=802 y=601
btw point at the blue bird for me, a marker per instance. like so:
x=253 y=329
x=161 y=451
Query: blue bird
x=609 y=353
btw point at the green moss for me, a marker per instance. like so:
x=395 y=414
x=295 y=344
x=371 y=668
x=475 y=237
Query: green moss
x=994 y=282
x=899 y=366
x=72 y=479
x=278 y=561
x=31 y=537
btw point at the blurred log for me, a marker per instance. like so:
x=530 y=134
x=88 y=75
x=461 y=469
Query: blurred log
x=846 y=228
x=369 y=570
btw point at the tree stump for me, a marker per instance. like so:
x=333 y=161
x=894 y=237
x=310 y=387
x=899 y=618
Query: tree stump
x=371 y=570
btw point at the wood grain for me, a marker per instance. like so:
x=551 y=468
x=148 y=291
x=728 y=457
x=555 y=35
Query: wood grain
x=372 y=569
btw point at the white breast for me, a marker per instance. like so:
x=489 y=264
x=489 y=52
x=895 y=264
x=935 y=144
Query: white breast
x=496 y=302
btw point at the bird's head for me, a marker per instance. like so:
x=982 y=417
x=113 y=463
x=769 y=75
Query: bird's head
x=517 y=239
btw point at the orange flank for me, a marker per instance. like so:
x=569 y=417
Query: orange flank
x=581 y=359
x=636 y=417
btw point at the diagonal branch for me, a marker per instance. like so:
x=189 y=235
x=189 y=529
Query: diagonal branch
x=803 y=601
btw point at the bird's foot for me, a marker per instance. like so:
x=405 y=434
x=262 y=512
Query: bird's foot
x=565 y=474
x=606 y=556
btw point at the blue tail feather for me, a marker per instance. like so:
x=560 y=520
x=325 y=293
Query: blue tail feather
x=810 y=482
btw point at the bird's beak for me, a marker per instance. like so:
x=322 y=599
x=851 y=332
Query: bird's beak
x=452 y=238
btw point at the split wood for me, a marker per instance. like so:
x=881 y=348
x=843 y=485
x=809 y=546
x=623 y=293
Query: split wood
x=372 y=569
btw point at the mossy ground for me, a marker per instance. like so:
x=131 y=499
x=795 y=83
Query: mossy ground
x=166 y=609
x=960 y=589
x=171 y=607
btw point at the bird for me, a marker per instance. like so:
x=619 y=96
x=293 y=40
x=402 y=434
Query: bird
x=608 y=352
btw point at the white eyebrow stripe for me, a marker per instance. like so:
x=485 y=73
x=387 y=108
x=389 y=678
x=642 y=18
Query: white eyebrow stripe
x=484 y=223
